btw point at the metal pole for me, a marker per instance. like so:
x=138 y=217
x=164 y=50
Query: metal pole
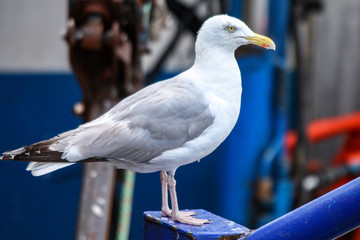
x=327 y=217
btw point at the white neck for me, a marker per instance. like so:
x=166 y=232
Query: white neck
x=219 y=63
x=209 y=51
x=217 y=72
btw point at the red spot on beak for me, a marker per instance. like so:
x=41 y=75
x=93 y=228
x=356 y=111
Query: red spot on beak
x=265 y=45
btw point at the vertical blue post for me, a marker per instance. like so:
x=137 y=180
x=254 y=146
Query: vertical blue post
x=273 y=155
x=247 y=140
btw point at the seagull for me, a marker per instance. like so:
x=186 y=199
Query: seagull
x=165 y=125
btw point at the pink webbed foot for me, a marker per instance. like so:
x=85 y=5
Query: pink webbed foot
x=184 y=217
x=168 y=213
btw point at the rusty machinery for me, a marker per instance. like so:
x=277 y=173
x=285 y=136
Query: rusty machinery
x=103 y=38
x=104 y=50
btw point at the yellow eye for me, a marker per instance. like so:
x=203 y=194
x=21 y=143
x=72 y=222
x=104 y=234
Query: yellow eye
x=231 y=28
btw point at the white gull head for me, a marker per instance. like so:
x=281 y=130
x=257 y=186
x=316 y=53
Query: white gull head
x=228 y=33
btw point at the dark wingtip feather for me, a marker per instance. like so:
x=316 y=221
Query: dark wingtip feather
x=37 y=152
x=40 y=152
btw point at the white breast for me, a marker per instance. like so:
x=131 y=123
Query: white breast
x=224 y=97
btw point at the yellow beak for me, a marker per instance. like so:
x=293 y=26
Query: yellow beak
x=262 y=41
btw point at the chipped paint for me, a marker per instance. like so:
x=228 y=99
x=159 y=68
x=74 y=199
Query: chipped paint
x=236 y=229
x=97 y=210
x=234 y=237
x=231 y=224
x=174 y=228
x=190 y=236
x=101 y=200
x=93 y=174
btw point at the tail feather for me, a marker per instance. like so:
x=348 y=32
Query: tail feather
x=42 y=157
x=41 y=168
x=38 y=152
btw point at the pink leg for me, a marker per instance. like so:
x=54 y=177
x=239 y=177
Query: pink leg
x=178 y=216
x=165 y=210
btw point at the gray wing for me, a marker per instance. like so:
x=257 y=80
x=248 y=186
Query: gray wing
x=161 y=117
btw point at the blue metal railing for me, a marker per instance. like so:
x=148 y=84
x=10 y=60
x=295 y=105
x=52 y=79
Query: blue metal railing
x=327 y=217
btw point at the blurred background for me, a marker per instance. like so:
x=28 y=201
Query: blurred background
x=65 y=62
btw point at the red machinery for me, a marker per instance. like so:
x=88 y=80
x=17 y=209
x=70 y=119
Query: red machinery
x=349 y=125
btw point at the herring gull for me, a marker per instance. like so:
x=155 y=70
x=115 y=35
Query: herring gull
x=165 y=125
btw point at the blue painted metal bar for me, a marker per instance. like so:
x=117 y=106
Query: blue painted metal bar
x=326 y=217
x=157 y=227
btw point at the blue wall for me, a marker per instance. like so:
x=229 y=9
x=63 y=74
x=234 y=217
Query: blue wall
x=36 y=107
